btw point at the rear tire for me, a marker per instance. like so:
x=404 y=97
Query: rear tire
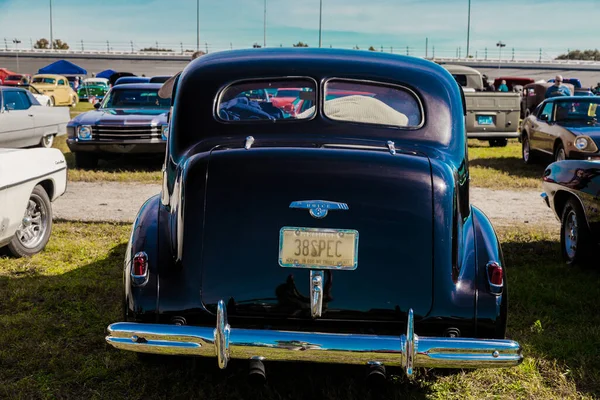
x=52 y=102
x=502 y=142
x=576 y=241
x=34 y=232
x=529 y=156
x=47 y=141
x=74 y=101
x=86 y=160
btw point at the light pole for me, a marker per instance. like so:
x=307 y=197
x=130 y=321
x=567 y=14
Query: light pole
x=468 y=28
x=320 y=20
x=500 y=45
x=51 y=36
x=197 y=25
x=265 y=26
x=16 y=42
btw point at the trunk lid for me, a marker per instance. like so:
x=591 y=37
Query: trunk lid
x=248 y=198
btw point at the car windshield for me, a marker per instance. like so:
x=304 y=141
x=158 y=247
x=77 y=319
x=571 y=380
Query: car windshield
x=135 y=98
x=40 y=79
x=288 y=93
x=13 y=77
x=578 y=110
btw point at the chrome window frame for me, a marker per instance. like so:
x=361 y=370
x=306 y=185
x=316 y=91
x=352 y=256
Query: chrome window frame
x=223 y=89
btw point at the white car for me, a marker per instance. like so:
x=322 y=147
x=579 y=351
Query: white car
x=24 y=122
x=26 y=196
x=39 y=96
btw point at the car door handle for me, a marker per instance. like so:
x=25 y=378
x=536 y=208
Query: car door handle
x=30 y=115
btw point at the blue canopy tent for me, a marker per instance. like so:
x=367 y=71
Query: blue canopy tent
x=105 y=74
x=62 y=67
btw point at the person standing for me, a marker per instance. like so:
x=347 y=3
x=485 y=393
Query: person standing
x=503 y=87
x=558 y=89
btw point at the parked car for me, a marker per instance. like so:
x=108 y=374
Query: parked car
x=285 y=97
x=24 y=122
x=97 y=81
x=39 y=96
x=491 y=116
x=26 y=196
x=4 y=73
x=57 y=88
x=16 y=80
x=113 y=78
x=563 y=128
x=572 y=191
x=132 y=79
x=131 y=119
x=533 y=94
x=160 y=79
x=89 y=90
x=512 y=81
x=259 y=219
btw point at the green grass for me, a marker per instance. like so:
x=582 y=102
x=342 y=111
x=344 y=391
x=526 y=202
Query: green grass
x=54 y=308
x=502 y=167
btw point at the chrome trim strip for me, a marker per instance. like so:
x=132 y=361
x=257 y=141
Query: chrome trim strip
x=316 y=292
x=32 y=179
x=406 y=351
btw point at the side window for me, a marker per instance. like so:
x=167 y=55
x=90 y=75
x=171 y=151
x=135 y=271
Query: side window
x=547 y=110
x=15 y=100
x=61 y=82
x=461 y=79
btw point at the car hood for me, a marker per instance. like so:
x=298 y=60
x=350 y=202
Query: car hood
x=124 y=116
x=582 y=129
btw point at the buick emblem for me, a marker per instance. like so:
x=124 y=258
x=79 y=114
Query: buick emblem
x=319 y=208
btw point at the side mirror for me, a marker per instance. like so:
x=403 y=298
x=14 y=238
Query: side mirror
x=544 y=117
x=97 y=106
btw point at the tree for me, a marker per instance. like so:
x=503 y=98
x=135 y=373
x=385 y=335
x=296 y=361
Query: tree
x=593 y=55
x=372 y=48
x=41 y=44
x=60 y=45
x=155 y=49
x=300 y=44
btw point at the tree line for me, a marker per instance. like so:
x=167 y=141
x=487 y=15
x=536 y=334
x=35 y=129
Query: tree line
x=590 y=55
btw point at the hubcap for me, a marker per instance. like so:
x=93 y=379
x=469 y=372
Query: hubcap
x=47 y=140
x=571 y=234
x=34 y=224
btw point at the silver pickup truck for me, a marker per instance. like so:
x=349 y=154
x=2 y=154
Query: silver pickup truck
x=492 y=116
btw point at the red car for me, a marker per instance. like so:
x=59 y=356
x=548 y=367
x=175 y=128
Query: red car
x=285 y=96
x=16 y=79
x=4 y=73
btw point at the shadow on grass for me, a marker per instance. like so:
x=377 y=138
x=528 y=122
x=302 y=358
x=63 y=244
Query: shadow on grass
x=512 y=166
x=52 y=335
x=52 y=332
x=553 y=309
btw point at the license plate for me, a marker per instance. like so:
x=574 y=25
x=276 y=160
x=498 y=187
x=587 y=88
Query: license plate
x=485 y=119
x=317 y=248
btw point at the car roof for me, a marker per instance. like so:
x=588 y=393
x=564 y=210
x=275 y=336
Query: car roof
x=137 y=86
x=453 y=68
x=50 y=76
x=571 y=98
x=11 y=88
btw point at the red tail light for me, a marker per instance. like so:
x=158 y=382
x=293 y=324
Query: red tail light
x=495 y=276
x=140 y=264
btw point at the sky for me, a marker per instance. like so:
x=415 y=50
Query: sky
x=526 y=25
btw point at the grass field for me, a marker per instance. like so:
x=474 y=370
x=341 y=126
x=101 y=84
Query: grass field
x=54 y=308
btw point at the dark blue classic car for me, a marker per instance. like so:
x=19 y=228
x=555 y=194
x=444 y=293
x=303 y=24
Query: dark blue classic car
x=572 y=191
x=132 y=118
x=343 y=230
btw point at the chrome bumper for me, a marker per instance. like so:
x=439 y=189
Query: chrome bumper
x=224 y=343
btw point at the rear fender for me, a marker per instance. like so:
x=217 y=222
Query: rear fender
x=141 y=301
x=491 y=308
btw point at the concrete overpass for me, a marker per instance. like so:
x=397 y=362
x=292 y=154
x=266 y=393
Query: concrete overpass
x=151 y=64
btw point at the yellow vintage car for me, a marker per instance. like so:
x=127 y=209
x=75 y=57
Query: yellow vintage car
x=57 y=88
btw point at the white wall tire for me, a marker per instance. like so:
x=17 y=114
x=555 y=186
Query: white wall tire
x=47 y=141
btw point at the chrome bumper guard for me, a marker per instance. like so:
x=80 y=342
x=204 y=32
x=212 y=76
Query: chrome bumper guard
x=407 y=351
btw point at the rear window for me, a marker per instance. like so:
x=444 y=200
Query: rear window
x=268 y=100
x=372 y=103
